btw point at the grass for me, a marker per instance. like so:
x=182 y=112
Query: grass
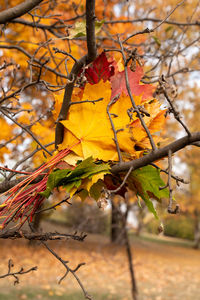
x=34 y=294
x=162 y=240
x=165 y=269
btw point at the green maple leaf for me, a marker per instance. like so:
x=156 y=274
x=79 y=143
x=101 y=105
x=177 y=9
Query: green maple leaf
x=146 y=182
x=73 y=178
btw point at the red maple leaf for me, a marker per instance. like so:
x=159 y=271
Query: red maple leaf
x=118 y=83
x=101 y=68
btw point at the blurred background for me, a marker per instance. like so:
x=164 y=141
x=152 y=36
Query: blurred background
x=165 y=252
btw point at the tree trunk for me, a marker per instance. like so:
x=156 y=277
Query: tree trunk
x=116 y=232
x=140 y=217
x=130 y=263
x=197 y=230
x=119 y=235
x=127 y=244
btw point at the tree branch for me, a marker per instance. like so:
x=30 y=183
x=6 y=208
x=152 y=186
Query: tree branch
x=157 y=154
x=69 y=270
x=135 y=164
x=10 y=234
x=18 y=10
x=8 y=184
x=85 y=60
x=14 y=274
x=155 y=20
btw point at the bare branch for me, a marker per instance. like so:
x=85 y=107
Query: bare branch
x=35 y=59
x=157 y=154
x=147 y=30
x=169 y=183
x=18 y=10
x=168 y=15
x=172 y=107
x=123 y=183
x=17 y=273
x=132 y=100
x=69 y=270
x=54 y=206
x=10 y=234
x=155 y=20
x=86 y=101
x=113 y=127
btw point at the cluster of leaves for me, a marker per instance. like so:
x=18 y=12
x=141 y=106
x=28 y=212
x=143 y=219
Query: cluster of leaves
x=88 y=130
x=99 y=111
x=86 y=172
x=88 y=124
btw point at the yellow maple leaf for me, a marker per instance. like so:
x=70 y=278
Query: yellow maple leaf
x=158 y=122
x=88 y=130
x=89 y=125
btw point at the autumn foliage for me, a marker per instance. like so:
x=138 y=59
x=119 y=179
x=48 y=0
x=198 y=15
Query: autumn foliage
x=112 y=116
x=92 y=121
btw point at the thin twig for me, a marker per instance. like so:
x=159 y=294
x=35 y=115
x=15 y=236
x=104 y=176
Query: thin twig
x=147 y=30
x=53 y=206
x=173 y=109
x=65 y=53
x=169 y=183
x=86 y=101
x=3 y=111
x=132 y=99
x=17 y=273
x=113 y=128
x=123 y=183
x=25 y=158
x=168 y=15
x=68 y=270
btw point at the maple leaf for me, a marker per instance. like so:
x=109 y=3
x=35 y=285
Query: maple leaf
x=119 y=84
x=101 y=68
x=71 y=180
x=93 y=134
x=146 y=182
x=123 y=123
x=154 y=122
x=88 y=123
x=158 y=122
x=89 y=129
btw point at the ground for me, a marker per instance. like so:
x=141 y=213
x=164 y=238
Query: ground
x=163 y=271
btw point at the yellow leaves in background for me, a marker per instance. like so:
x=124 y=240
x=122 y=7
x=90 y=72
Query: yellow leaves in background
x=29 y=52
x=5 y=135
x=45 y=133
x=6 y=130
x=27 y=115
